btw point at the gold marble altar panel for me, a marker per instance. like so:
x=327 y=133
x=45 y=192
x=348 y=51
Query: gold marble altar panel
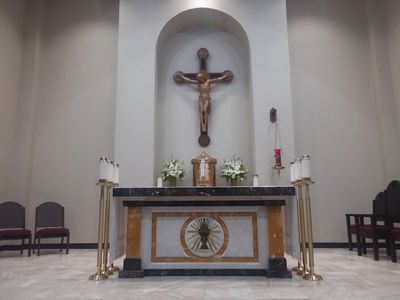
x=133 y=228
x=275 y=231
x=192 y=257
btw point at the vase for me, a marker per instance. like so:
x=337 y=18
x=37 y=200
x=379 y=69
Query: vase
x=232 y=181
x=172 y=182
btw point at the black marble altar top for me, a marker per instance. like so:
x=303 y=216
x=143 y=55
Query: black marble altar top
x=217 y=191
x=204 y=196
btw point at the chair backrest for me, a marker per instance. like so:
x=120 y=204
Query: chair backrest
x=49 y=214
x=393 y=198
x=12 y=215
x=380 y=204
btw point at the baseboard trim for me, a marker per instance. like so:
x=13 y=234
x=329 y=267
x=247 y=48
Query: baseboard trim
x=50 y=246
x=327 y=245
x=346 y=245
x=331 y=245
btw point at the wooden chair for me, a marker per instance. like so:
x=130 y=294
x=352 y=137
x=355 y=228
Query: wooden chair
x=12 y=224
x=380 y=226
x=394 y=236
x=376 y=227
x=49 y=223
x=393 y=201
x=352 y=222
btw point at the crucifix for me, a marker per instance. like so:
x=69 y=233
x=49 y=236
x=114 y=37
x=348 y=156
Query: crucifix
x=203 y=79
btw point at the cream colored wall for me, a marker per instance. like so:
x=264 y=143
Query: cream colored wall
x=344 y=112
x=59 y=114
x=22 y=158
x=391 y=16
x=384 y=86
x=74 y=120
x=12 y=25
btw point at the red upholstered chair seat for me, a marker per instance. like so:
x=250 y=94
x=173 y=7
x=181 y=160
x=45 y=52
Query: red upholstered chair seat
x=396 y=233
x=10 y=233
x=367 y=230
x=353 y=227
x=52 y=231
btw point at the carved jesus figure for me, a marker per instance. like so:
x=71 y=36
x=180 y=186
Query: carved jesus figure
x=204 y=85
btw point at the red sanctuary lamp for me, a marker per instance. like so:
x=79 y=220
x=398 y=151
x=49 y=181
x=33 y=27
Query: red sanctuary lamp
x=278 y=158
x=278 y=161
x=277 y=150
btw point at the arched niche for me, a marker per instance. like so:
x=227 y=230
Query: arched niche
x=231 y=123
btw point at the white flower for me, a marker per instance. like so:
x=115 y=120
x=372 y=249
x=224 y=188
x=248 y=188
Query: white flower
x=233 y=169
x=172 y=169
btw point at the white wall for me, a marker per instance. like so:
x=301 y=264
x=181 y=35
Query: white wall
x=391 y=15
x=177 y=106
x=59 y=113
x=74 y=121
x=266 y=27
x=343 y=109
x=12 y=25
x=384 y=85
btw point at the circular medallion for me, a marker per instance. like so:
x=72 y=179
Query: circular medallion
x=202 y=53
x=204 y=237
x=204 y=140
x=178 y=76
x=228 y=74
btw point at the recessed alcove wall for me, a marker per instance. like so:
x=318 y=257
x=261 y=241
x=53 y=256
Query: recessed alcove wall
x=156 y=118
x=177 y=105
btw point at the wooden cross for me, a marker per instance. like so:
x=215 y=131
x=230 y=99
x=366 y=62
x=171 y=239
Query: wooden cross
x=203 y=79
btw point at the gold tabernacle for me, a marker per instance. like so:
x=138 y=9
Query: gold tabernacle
x=204 y=170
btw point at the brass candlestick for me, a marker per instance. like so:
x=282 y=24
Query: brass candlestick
x=111 y=267
x=99 y=275
x=301 y=268
x=106 y=270
x=302 y=229
x=311 y=275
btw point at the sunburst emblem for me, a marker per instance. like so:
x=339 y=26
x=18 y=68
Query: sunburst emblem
x=205 y=236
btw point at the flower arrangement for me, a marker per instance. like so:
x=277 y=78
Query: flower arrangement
x=173 y=169
x=233 y=169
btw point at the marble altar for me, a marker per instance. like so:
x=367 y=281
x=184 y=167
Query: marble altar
x=206 y=231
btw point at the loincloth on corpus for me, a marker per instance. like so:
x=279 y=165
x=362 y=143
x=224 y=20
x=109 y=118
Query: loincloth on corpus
x=204 y=104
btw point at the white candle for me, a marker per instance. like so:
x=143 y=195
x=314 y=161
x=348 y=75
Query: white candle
x=116 y=173
x=298 y=169
x=292 y=175
x=306 y=172
x=103 y=168
x=202 y=167
x=110 y=171
x=159 y=181
x=255 y=180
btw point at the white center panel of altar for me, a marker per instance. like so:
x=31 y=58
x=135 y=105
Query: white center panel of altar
x=243 y=244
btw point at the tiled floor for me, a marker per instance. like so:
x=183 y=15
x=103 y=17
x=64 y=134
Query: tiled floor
x=60 y=276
